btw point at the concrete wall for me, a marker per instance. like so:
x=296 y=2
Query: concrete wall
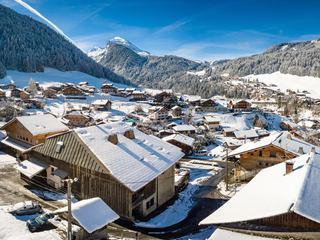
x=165 y=186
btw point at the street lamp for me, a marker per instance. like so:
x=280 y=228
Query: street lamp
x=69 y=182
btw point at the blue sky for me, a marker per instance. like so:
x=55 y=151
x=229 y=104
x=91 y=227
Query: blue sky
x=195 y=29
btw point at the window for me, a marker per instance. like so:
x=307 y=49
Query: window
x=150 y=203
x=52 y=170
x=273 y=154
x=260 y=153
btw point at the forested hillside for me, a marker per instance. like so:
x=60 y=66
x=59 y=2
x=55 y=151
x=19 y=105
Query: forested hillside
x=28 y=45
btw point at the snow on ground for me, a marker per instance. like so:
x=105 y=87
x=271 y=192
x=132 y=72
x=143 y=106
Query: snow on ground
x=216 y=151
x=14 y=228
x=120 y=106
x=221 y=234
x=52 y=196
x=289 y=81
x=180 y=209
x=198 y=73
x=52 y=76
x=244 y=121
x=6 y=159
x=232 y=188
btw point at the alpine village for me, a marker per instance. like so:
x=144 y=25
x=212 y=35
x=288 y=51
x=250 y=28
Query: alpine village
x=116 y=142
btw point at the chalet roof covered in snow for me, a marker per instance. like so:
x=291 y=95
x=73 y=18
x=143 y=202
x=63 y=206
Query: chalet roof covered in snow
x=31 y=167
x=127 y=158
x=283 y=140
x=180 y=138
x=184 y=128
x=16 y=144
x=242 y=134
x=297 y=191
x=92 y=214
x=100 y=102
x=211 y=119
x=40 y=124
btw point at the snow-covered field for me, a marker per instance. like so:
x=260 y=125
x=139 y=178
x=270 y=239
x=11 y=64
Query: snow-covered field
x=51 y=76
x=289 y=81
x=182 y=206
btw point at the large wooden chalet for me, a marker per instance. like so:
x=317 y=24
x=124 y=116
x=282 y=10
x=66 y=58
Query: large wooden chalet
x=240 y=105
x=72 y=90
x=131 y=171
x=283 y=197
x=270 y=150
x=26 y=131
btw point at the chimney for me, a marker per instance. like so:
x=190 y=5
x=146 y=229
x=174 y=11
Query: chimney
x=313 y=150
x=113 y=139
x=300 y=151
x=129 y=134
x=289 y=166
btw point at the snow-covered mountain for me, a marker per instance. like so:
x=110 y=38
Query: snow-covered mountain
x=299 y=58
x=27 y=45
x=126 y=43
x=97 y=53
x=143 y=68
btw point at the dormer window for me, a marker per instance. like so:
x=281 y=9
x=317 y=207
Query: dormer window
x=59 y=146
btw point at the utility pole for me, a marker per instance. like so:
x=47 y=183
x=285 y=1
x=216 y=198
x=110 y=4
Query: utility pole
x=227 y=170
x=69 y=184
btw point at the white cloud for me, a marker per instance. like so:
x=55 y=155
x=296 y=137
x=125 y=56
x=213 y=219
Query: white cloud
x=171 y=27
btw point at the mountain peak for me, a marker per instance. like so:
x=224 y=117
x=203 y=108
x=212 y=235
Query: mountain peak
x=121 y=41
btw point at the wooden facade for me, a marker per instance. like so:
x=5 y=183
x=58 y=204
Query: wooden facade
x=102 y=105
x=264 y=157
x=207 y=105
x=25 y=96
x=138 y=96
x=290 y=220
x=108 y=88
x=50 y=93
x=184 y=147
x=71 y=90
x=77 y=119
x=176 y=111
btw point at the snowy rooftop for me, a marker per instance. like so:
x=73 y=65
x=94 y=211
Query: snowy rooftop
x=100 y=102
x=283 y=140
x=92 y=214
x=180 y=138
x=242 y=134
x=297 y=192
x=40 y=124
x=183 y=128
x=130 y=157
x=211 y=118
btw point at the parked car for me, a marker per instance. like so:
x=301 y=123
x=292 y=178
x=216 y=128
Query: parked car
x=26 y=208
x=40 y=223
